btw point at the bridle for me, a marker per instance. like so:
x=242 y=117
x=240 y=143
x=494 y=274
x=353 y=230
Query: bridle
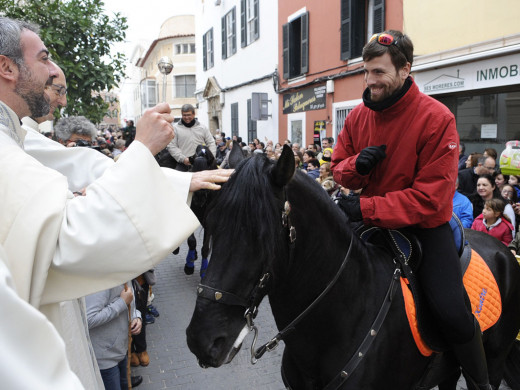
x=259 y=291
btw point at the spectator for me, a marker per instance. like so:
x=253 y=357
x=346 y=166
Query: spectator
x=494 y=222
x=189 y=133
x=472 y=160
x=326 y=180
x=129 y=133
x=486 y=190
x=501 y=179
x=468 y=177
x=462 y=156
x=75 y=131
x=269 y=152
x=490 y=152
x=326 y=156
x=462 y=208
x=107 y=317
x=327 y=142
x=221 y=152
x=296 y=147
x=307 y=155
x=313 y=168
x=514 y=180
x=514 y=246
x=119 y=147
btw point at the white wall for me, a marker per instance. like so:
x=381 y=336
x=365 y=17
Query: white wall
x=256 y=60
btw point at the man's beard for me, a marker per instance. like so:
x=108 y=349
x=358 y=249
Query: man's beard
x=36 y=100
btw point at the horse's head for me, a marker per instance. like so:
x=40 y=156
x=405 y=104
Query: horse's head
x=203 y=159
x=247 y=234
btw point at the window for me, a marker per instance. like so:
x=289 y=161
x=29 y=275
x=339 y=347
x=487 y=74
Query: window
x=192 y=48
x=249 y=22
x=207 y=50
x=234 y=119
x=148 y=93
x=296 y=131
x=251 y=124
x=341 y=115
x=229 y=34
x=178 y=49
x=296 y=47
x=359 y=20
x=185 y=86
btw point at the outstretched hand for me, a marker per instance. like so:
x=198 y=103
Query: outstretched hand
x=205 y=180
x=154 y=129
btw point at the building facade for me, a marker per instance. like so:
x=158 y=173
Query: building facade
x=237 y=67
x=321 y=77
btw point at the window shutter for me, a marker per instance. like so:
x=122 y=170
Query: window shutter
x=224 y=38
x=234 y=27
x=305 y=43
x=256 y=21
x=379 y=16
x=346 y=29
x=212 y=51
x=285 y=41
x=204 y=53
x=243 y=24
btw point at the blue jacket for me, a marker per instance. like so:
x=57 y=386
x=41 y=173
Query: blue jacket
x=463 y=209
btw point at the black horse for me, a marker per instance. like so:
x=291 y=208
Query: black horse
x=278 y=233
x=202 y=160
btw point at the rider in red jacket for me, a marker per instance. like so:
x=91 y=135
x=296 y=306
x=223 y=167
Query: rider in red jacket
x=400 y=148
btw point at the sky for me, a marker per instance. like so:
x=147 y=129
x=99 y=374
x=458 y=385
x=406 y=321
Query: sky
x=146 y=17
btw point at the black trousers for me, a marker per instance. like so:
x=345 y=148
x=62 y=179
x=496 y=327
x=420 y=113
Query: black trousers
x=141 y=298
x=440 y=277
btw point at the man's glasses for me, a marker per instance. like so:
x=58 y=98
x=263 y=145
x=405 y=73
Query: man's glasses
x=59 y=89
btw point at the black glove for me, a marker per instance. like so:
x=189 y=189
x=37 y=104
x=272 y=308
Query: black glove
x=368 y=158
x=350 y=206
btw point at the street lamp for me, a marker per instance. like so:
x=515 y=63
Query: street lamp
x=165 y=66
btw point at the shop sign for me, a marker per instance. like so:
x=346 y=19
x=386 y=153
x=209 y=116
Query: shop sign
x=305 y=100
x=494 y=72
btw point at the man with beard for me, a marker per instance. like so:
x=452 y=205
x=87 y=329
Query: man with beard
x=49 y=235
x=189 y=133
x=400 y=147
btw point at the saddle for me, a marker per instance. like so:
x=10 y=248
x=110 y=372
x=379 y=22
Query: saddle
x=480 y=284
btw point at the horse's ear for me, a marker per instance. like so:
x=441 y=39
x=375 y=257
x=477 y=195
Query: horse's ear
x=235 y=155
x=285 y=166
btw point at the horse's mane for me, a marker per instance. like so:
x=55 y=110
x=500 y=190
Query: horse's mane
x=245 y=207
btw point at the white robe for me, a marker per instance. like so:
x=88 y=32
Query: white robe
x=27 y=336
x=62 y=248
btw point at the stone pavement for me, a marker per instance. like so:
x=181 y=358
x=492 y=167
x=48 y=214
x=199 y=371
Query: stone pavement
x=173 y=366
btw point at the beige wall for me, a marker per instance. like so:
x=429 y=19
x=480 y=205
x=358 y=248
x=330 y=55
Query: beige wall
x=439 y=25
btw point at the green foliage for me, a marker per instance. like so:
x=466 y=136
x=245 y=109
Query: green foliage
x=78 y=35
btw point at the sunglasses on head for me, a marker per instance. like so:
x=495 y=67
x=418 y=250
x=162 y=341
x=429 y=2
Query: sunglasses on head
x=384 y=39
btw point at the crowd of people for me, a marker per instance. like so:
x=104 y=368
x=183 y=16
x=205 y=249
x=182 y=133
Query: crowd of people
x=486 y=199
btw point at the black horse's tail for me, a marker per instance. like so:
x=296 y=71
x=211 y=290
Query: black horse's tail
x=512 y=371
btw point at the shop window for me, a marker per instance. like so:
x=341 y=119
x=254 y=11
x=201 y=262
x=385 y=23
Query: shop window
x=360 y=19
x=296 y=47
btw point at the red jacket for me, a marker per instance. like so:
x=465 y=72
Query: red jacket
x=503 y=231
x=414 y=184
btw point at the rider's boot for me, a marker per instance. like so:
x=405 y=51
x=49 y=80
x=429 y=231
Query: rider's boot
x=189 y=267
x=472 y=359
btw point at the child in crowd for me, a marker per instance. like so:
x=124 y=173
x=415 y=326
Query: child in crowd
x=493 y=221
x=501 y=180
x=514 y=180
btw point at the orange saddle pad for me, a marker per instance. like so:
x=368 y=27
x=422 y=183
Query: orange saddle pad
x=483 y=292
